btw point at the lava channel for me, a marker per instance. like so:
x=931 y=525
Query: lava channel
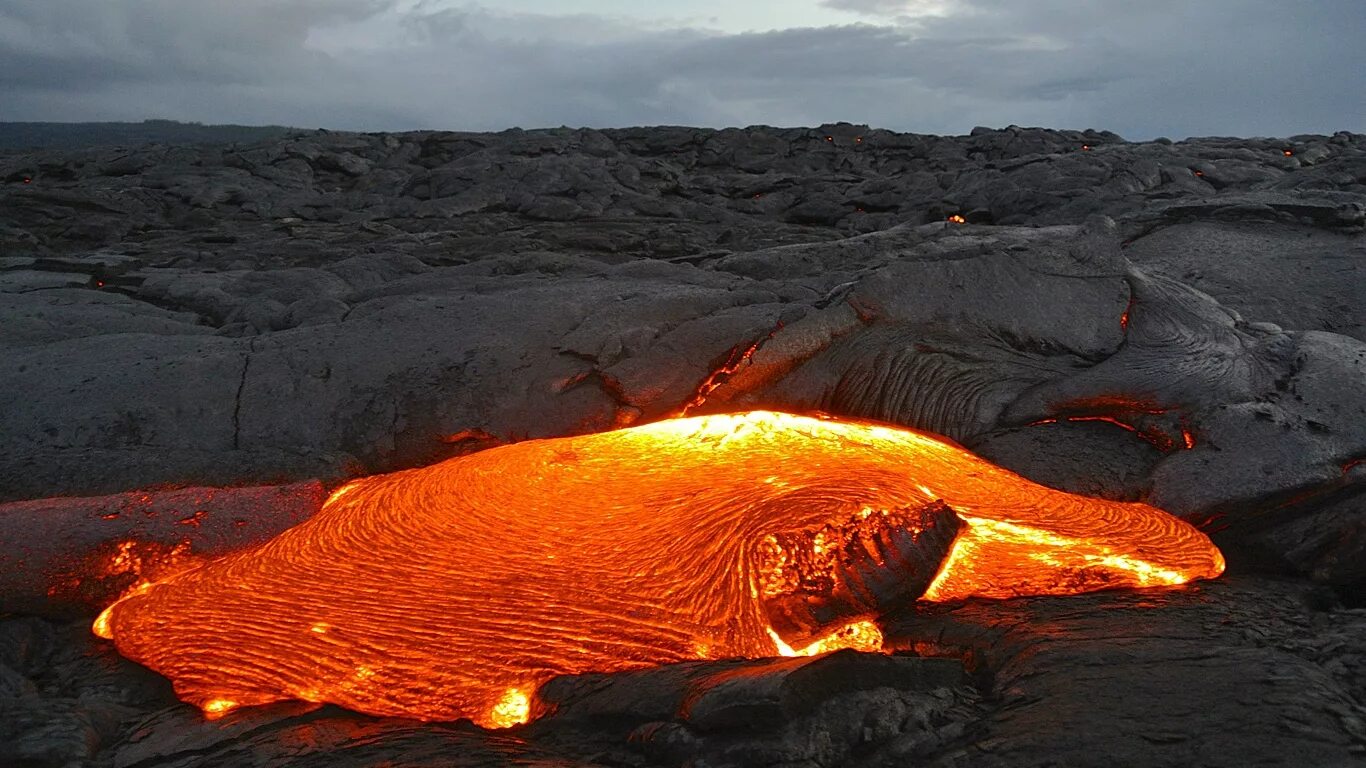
x=455 y=590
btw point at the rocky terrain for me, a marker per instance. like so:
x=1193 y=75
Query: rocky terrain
x=219 y=333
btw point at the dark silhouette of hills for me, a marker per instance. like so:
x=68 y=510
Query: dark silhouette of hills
x=79 y=135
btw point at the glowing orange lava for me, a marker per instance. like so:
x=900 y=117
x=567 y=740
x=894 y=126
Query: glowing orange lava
x=957 y=219
x=456 y=590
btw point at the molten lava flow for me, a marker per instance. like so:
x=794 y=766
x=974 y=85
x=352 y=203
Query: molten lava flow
x=456 y=590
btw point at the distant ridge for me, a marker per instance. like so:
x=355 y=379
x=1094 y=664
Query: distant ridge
x=81 y=135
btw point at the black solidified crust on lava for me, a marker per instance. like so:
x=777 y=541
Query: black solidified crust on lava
x=868 y=565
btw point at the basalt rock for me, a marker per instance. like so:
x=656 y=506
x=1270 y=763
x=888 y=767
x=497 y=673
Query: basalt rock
x=285 y=311
x=1173 y=322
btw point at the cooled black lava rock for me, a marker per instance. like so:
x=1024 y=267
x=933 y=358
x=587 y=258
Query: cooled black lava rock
x=1179 y=322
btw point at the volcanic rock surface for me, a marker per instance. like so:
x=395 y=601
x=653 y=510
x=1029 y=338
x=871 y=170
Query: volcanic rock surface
x=1180 y=323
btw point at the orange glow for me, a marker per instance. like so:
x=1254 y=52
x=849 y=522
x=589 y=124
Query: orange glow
x=101 y=626
x=861 y=636
x=1187 y=437
x=216 y=708
x=1001 y=559
x=513 y=709
x=1154 y=434
x=122 y=568
x=1085 y=147
x=1288 y=153
x=456 y=590
x=468 y=436
x=957 y=219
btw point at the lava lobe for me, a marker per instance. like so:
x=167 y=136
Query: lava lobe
x=455 y=590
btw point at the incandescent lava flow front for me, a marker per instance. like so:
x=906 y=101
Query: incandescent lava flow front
x=457 y=589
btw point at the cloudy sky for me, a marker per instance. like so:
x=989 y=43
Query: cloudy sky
x=1142 y=68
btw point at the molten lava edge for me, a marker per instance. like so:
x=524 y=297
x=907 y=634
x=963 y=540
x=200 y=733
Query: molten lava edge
x=455 y=590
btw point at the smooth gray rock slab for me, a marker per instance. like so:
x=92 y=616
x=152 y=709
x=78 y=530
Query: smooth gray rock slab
x=1300 y=278
x=1229 y=673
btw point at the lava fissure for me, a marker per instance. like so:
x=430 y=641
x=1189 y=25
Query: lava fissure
x=735 y=359
x=456 y=590
x=237 y=399
x=1166 y=429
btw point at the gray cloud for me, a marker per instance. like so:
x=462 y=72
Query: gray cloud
x=1143 y=69
x=85 y=44
x=894 y=8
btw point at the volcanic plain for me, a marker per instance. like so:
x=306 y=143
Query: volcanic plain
x=199 y=342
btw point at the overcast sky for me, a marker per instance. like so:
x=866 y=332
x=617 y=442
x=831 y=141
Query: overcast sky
x=1142 y=68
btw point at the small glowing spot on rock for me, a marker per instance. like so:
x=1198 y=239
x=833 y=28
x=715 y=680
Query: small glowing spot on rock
x=513 y=709
x=1188 y=438
x=1085 y=147
x=1288 y=153
x=829 y=138
x=957 y=219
